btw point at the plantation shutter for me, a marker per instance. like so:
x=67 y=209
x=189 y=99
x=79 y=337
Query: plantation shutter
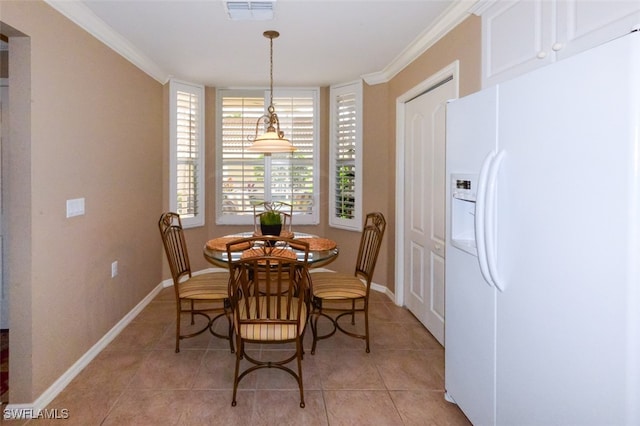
x=187 y=153
x=249 y=177
x=345 y=156
x=242 y=171
x=292 y=175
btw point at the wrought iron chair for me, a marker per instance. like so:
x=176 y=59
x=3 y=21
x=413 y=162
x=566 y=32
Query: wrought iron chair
x=328 y=287
x=209 y=288
x=269 y=300
x=284 y=209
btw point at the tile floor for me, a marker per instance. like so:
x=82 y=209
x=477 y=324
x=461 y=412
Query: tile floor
x=139 y=379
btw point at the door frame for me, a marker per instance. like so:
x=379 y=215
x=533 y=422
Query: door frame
x=4 y=289
x=450 y=71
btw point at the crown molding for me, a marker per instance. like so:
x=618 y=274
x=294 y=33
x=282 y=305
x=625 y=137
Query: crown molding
x=87 y=20
x=481 y=6
x=450 y=18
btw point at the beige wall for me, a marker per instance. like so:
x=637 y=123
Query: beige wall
x=463 y=44
x=92 y=125
x=378 y=173
x=84 y=123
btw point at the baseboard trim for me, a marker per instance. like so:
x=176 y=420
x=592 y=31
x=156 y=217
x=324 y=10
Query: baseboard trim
x=31 y=410
x=384 y=290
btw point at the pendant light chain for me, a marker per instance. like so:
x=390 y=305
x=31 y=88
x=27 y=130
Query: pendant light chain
x=271 y=72
x=273 y=139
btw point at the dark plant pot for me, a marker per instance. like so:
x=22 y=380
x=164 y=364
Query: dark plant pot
x=271 y=229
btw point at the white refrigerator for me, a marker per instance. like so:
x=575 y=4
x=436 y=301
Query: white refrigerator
x=543 y=245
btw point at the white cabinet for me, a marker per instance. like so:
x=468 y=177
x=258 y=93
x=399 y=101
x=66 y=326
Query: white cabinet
x=519 y=36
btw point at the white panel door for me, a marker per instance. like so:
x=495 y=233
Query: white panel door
x=425 y=206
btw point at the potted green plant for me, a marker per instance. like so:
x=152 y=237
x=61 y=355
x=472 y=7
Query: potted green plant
x=271 y=223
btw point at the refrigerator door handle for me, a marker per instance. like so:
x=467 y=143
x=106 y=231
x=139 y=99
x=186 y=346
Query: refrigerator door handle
x=490 y=221
x=480 y=218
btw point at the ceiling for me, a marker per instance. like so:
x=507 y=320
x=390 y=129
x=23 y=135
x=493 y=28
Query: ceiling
x=321 y=42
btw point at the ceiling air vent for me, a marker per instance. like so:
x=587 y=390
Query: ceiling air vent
x=250 y=10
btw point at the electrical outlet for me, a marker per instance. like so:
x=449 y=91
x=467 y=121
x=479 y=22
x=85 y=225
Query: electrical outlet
x=114 y=268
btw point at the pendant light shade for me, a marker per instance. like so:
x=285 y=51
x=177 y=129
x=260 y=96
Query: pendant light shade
x=273 y=140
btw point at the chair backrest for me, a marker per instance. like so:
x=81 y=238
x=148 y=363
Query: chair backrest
x=268 y=283
x=174 y=246
x=370 y=243
x=285 y=210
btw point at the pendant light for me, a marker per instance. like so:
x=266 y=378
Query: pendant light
x=273 y=140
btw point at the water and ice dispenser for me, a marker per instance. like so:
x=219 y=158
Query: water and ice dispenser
x=463 y=211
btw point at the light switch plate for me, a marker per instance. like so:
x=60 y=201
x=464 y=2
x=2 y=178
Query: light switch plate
x=75 y=207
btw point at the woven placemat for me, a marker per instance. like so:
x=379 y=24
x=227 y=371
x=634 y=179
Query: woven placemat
x=259 y=251
x=315 y=243
x=220 y=244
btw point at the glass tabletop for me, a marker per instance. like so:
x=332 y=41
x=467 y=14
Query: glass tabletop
x=315 y=259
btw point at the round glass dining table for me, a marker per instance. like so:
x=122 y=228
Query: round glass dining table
x=317 y=258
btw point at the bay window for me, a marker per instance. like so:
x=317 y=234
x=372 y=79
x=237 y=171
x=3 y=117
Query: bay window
x=245 y=178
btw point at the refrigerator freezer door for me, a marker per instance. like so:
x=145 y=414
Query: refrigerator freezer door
x=470 y=300
x=567 y=225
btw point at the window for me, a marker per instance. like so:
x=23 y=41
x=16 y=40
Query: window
x=187 y=152
x=245 y=178
x=345 y=156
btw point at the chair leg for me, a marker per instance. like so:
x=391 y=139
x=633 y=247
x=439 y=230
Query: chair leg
x=236 y=379
x=299 y=359
x=353 y=312
x=314 y=329
x=302 y=340
x=366 y=324
x=178 y=328
x=308 y=319
x=193 y=321
x=346 y=312
x=230 y=332
x=314 y=325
